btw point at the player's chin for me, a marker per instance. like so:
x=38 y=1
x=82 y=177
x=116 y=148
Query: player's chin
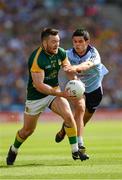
x=55 y=51
x=78 y=50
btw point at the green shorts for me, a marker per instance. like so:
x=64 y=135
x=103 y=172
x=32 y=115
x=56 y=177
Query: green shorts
x=34 y=107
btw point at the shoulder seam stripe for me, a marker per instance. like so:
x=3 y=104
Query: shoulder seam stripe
x=35 y=67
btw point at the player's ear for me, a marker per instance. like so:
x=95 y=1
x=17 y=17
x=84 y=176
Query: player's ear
x=44 y=44
x=87 y=41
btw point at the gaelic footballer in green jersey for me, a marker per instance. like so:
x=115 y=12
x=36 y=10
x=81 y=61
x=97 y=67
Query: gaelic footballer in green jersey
x=44 y=64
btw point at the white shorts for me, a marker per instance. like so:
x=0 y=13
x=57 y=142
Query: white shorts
x=34 y=107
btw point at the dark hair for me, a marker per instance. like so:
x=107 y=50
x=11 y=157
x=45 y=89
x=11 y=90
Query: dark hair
x=82 y=32
x=46 y=32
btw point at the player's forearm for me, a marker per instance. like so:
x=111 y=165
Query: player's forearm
x=84 y=66
x=46 y=89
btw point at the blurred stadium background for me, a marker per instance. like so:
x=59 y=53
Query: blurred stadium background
x=20 y=25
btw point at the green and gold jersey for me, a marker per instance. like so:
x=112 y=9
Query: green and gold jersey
x=50 y=64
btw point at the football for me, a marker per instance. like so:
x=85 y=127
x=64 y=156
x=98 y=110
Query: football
x=76 y=88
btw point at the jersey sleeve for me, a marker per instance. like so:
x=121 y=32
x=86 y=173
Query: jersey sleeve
x=62 y=54
x=35 y=66
x=95 y=56
x=65 y=60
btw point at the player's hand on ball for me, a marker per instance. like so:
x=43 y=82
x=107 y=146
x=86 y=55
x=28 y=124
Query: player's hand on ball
x=76 y=88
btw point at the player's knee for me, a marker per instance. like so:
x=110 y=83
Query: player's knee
x=68 y=119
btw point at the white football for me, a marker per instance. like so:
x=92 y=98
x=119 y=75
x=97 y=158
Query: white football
x=76 y=88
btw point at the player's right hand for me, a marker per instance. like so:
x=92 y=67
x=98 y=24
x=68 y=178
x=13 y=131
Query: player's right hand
x=67 y=94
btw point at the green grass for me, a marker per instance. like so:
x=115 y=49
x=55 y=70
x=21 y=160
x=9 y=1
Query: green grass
x=41 y=158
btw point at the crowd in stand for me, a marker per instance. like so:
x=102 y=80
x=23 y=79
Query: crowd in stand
x=20 y=24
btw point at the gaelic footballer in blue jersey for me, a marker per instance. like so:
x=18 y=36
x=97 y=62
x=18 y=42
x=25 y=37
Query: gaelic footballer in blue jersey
x=86 y=64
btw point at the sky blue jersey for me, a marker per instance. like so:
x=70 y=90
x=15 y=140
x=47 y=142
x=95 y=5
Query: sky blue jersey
x=93 y=77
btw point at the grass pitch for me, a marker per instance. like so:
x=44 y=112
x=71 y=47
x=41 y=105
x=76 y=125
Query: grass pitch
x=41 y=158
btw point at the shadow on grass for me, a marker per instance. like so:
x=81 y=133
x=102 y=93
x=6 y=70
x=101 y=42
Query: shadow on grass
x=33 y=164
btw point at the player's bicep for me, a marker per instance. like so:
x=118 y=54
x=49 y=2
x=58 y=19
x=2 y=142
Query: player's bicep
x=37 y=78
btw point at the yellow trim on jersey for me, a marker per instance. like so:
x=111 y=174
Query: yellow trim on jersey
x=35 y=67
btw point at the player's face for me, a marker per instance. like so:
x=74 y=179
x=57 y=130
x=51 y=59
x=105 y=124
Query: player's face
x=52 y=44
x=79 y=44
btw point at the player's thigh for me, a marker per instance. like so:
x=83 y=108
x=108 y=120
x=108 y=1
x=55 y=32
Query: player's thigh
x=61 y=106
x=30 y=121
